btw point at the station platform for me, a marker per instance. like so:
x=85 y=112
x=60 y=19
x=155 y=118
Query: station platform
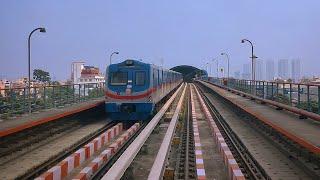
x=10 y=126
x=303 y=131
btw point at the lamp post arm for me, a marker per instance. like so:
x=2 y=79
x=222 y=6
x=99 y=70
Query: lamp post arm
x=252 y=63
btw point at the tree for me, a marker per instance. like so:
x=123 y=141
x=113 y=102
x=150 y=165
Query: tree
x=41 y=75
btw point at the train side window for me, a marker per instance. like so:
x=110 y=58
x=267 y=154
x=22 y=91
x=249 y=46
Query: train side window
x=140 y=78
x=119 y=78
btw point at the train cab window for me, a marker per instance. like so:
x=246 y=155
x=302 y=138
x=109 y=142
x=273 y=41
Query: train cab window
x=119 y=78
x=140 y=78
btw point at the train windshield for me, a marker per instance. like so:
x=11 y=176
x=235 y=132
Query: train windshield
x=140 y=78
x=119 y=78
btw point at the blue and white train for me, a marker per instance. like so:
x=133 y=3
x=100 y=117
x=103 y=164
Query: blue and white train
x=133 y=88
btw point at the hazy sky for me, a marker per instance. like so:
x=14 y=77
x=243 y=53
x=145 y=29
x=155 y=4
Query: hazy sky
x=179 y=31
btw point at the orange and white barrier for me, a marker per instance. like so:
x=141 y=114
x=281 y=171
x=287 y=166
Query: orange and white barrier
x=233 y=167
x=96 y=163
x=65 y=167
x=201 y=173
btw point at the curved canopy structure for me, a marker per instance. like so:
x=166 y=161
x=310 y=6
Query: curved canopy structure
x=189 y=72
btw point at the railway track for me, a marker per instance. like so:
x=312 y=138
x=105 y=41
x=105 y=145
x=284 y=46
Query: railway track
x=56 y=142
x=262 y=155
x=99 y=151
x=29 y=152
x=172 y=145
x=130 y=162
x=249 y=167
x=185 y=157
x=196 y=134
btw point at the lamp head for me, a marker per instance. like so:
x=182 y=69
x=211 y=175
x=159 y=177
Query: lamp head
x=43 y=30
x=116 y=52
x=222 y=53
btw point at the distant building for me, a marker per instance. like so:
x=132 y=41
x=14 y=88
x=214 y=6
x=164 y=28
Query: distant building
x=270 y=74
x=259 y=70
x=21 y=83
x=4 y=84
x=283 y=68
x=295 y=70
x=315 y=80
x=237 y=75
x=76 y=68
x=246 y=71
x=81 y=74
x=90 y=74
x=2 y=87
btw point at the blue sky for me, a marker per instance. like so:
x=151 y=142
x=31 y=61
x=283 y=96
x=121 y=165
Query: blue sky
x=177 y=31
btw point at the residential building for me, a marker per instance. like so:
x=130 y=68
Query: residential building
x=295 y=70
x=76 y=68
x=21 y=83
x=4 y=85
x=259 y=70
x=237 y=75
x=81 y=74
x=270 y=74
x=90 y=74
x=283 y=68
x=246 y=73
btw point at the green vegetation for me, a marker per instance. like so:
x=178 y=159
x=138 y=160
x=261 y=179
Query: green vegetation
x=41 y=75
x=282 y=99
x=46 y=97
x=313 y=106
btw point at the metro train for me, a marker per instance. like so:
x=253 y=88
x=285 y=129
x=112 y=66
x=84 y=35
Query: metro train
x=133 y=88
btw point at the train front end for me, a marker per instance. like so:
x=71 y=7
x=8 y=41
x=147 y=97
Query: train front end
x=128 y=94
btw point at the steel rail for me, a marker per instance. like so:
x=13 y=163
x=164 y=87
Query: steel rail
x=158 y=166
x=101 y=171
x=124 y=161
x=186 y=165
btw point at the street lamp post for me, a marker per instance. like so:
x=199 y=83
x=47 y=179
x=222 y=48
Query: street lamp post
x=113 y=54
x=228 y=61
x=43 y=30
x=217 y=68
x=253 y=73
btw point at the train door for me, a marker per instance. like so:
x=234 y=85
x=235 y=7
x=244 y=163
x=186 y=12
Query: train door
x=130 y=88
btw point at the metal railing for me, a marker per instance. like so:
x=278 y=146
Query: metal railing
x=16 y=101
x=302 y=96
